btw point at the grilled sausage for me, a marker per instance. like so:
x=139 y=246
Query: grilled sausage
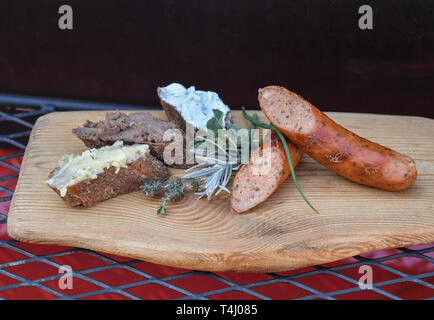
x=335 y=147
x=251 y=186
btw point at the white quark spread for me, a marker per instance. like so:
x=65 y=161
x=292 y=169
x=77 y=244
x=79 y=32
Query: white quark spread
x=196 y=107
x=74 y=168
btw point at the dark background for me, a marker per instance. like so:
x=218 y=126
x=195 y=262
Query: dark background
x=120 y=51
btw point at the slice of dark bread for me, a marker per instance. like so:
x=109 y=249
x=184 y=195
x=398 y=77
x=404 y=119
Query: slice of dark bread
x=110 y=184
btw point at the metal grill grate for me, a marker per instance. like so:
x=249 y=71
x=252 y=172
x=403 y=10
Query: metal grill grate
x=17 y=115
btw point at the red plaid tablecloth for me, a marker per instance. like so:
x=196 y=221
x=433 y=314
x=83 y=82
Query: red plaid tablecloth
x=31 y=271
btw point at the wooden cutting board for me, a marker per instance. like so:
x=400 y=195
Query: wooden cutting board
x=281 y=234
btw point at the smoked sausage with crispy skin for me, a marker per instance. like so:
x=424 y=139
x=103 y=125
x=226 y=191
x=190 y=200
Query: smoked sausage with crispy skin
x=251 y=187
x=335 y=147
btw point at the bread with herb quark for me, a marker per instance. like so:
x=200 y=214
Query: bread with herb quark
x=190 y=106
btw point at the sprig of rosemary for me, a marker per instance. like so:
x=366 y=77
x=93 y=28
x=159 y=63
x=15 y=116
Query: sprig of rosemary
x=212 y=179
x=285 y=146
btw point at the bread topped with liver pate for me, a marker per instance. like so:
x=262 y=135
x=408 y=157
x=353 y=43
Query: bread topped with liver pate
x=133 y=128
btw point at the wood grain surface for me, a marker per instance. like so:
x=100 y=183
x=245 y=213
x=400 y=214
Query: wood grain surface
x=281 y=234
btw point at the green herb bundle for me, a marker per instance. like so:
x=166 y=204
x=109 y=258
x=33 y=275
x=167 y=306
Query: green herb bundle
x=214 y=169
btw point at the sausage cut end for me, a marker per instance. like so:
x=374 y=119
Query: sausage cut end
x=286 y=109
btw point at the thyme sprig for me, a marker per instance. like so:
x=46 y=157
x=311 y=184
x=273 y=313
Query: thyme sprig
x=171 y=190
x=285 y=146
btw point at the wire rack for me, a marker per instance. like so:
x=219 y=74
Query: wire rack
x=29 y=270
